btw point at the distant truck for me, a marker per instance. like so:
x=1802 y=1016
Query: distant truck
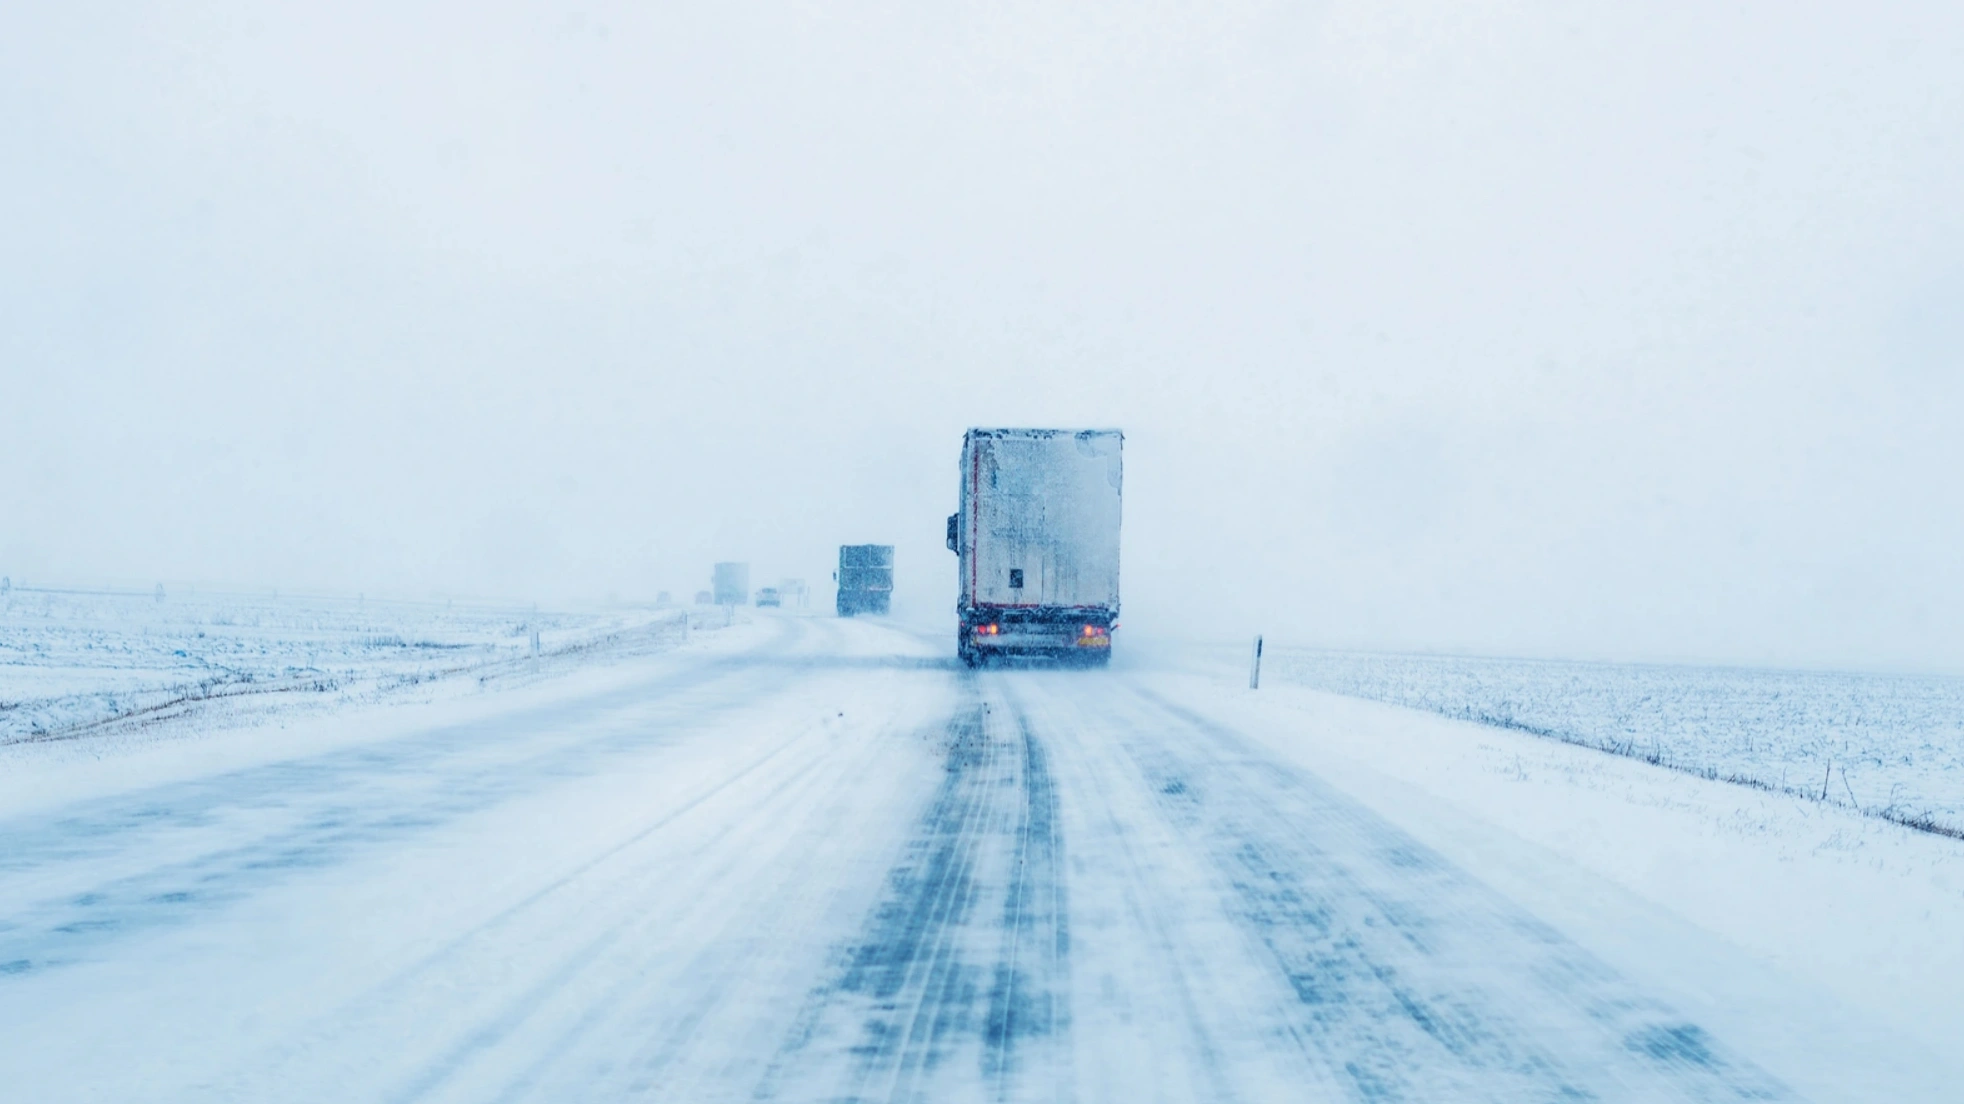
x=767 y=596
x=1037 y=534
x=865 y=579
x=731 y=582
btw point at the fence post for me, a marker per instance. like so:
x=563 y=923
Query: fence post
x=1255 y=666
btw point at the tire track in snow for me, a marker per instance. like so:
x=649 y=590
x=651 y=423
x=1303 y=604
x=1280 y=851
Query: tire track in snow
x=934 y=915
x=714 y=864
x=306 y=814
x=1159 y=1014
x=940 y=994
x=307 y=824
x=610 y=979
x=1036 y=926
x=1412 y=981
x=666 y=1007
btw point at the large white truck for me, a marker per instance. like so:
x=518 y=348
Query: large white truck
x=731 y=582
x=865 y=579
x=1037 y=534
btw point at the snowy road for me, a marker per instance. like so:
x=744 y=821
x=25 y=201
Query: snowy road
x=829 y=866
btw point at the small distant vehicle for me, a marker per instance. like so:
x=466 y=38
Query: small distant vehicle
x=865 y=579
x=1037 y=537
x=767 y=596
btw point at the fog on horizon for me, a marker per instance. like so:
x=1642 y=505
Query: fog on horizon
x=1600 y=331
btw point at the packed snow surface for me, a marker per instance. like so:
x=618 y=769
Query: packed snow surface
x=1878 y=742
x=803 y=859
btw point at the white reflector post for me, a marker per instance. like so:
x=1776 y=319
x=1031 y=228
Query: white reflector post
x=1255 y=666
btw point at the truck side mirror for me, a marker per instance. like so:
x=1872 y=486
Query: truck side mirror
x=954 y=532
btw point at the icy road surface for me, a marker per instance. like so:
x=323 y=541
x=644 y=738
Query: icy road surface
x=822 y=866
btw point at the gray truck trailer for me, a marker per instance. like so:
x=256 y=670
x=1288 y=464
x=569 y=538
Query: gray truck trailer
x=865 y=579
x=1037 y=536
x=731 y=582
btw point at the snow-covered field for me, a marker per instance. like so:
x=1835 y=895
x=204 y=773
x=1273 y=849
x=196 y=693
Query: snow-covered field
x=73 y=661
x=1886 y=744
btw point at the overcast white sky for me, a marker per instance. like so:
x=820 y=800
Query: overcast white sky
x=1611 y=329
